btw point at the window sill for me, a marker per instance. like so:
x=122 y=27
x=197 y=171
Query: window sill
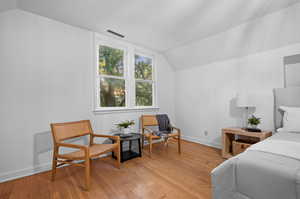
x=124 y=110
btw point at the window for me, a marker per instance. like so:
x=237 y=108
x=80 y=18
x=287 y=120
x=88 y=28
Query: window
x=125 y=78
x=112 y=77
x=143 y=80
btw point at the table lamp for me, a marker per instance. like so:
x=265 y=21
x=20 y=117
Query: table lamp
x=246 y=100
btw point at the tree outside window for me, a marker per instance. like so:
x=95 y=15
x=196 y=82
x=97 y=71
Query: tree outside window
x=144 y=81
x=112 y=81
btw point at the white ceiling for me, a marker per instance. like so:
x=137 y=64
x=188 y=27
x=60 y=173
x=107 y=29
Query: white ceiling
x=162 y=24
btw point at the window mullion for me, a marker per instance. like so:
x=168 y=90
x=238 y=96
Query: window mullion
x=112 y=76
x=142 y=80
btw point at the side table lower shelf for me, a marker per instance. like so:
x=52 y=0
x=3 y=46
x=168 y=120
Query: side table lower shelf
x=130 y=146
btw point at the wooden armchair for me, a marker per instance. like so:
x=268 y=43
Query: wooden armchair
x=147 y=133
x=64 y=131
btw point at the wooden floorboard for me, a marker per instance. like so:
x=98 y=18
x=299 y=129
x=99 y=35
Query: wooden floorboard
x=167 y=175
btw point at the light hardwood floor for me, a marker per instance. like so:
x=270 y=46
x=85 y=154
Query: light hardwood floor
x=166 y=175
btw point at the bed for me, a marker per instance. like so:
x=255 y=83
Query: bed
x=267 y=170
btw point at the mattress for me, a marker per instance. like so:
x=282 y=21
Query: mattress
x=267 y=170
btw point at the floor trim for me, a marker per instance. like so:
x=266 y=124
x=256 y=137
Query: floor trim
x=24 y=172
x=201 y=141
x=31 y=171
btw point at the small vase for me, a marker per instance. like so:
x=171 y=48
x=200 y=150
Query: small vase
x=253 y=126
x=126 y=130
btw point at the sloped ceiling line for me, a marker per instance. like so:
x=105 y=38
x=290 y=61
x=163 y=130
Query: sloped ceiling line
x=164 y=26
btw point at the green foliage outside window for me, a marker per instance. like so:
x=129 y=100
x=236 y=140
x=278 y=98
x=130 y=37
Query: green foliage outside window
x=111 y=61
x=143 y=67
x=143 y=94
x=112 y=90
x=143 y=71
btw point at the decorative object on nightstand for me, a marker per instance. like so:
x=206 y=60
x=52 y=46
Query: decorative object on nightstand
x=245 y=100
x=237 y=140
x=253 y=122
x=125 y=126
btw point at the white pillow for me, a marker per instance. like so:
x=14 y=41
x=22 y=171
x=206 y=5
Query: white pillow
x=291 y=118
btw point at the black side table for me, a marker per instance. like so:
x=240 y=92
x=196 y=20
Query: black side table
x=130 y=146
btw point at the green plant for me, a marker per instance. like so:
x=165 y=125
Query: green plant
x=125 y=124
x=254 y=120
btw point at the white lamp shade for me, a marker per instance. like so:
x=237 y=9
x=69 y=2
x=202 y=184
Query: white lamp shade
x=245 y=99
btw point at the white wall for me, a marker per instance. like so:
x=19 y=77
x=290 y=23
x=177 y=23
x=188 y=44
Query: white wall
x=206 y=88
x=7 y=5
x=47 y=75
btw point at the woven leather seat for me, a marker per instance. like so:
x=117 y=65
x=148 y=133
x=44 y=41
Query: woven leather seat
x=95 y=150
x=151 y=135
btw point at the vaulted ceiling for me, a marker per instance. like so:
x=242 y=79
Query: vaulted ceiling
x=160 y=25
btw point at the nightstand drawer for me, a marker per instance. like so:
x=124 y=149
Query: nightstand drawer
x=239 y=147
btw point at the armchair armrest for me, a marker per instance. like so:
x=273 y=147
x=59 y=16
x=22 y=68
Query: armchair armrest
x=116 y=138
x=149 y=130
x=177 y=129
x=69 y=145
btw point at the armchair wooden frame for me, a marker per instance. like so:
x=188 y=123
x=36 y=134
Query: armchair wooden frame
x=82 y=157
x=147 y=133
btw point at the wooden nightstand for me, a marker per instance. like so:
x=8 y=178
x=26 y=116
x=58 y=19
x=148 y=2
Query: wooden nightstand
x=231 y=134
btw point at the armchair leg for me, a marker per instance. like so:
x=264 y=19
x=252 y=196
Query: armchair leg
x=179 y=144
x=90 y=165
x=142 y=141
x=166 y=142
x=118 y=152
x=54 y=163
x=87 y=173
x=150 y=146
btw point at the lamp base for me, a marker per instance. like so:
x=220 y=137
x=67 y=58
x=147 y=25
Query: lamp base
x=252 y=129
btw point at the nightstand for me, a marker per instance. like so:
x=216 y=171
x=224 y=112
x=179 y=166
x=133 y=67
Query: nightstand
x=232 y=134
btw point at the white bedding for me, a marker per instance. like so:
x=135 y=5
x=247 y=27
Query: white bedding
x=290 y=149
x=267 y=170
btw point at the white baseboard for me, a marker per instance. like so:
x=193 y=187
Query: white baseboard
x=34 y=170
x=201 y=141
x=24 y=172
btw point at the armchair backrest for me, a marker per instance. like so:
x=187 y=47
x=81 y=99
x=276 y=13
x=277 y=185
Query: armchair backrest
x=67 y=130
x=149 y=120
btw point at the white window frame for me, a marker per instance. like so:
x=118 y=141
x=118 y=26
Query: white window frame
x=99 y=76
x=153 y=82
x=129 y=75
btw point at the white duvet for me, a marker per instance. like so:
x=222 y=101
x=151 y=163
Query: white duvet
x=285 y=148
x=267 y=170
